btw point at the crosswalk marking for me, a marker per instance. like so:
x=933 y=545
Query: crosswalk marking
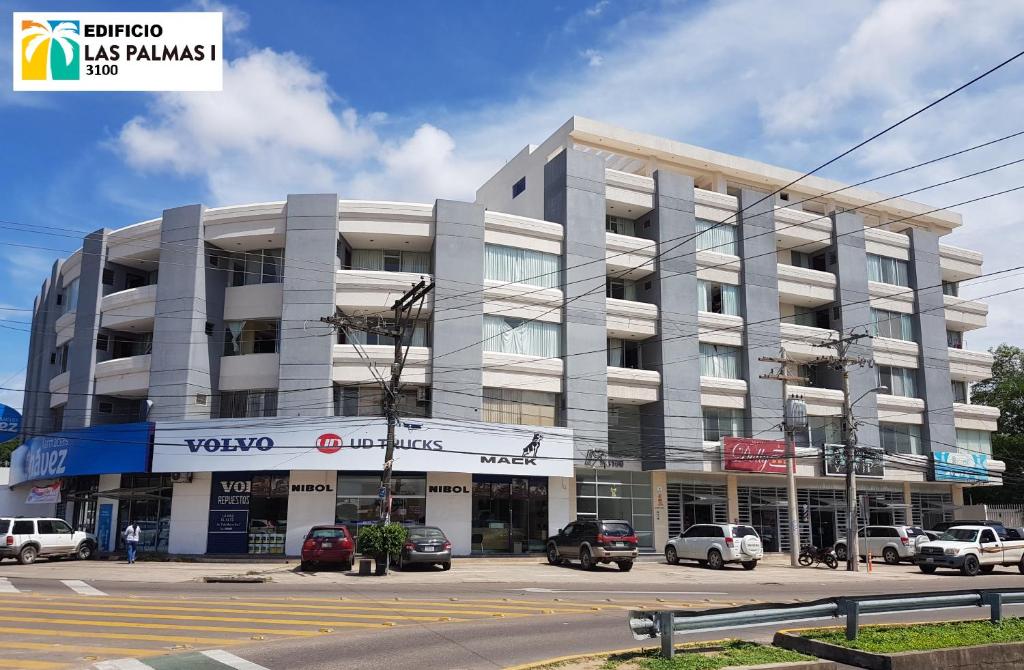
x=81 y=588
x=77 y=648
x=122 y=664
x=7 y=587
x=164 y=626
x=25 y=664
x=231 y=660
x=100 y=635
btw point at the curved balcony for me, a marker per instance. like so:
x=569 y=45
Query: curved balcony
x=65 y=327
x=806 y=230
x=976 y=417
x=629 y=257
x=125 y=377
x=131 y=309
x=899 y=409
x=249 y=371
x=963 y=314
x=820 y=401
x=959 y=264
x=521 y=372
x=714 y=329
x=719 y=392
x=59 y=389
x=361 y=292
x=627 y=386
x=970 y=366
x=891 y=297
x=522 y=301
x=723 y=268
x=511 y=230
x=805 y=287
x=900 y=353
x=256 y=301
x=630 y=319
x=367 y=224
x=803 y=342
x=352 y=368
x=627 y=194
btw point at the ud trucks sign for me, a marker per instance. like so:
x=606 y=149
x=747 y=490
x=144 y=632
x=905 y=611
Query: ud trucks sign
x=358 y=443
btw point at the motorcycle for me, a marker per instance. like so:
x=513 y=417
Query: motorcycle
x=810 y=555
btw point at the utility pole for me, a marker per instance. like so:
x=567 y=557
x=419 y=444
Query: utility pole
x=794 y=521
x=841 y=362
x=402 y=312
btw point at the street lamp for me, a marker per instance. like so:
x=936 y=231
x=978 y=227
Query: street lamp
x=852 y=548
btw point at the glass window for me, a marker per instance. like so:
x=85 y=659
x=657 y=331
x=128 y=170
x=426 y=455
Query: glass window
x=717 y=237
x=246 y=404
x=888 y=270
x=532 y=408
x=722 y=422
x=899 y=438
x=357 y=503
x=261 y=266
x=518 y=187
x=974 y=441
x=624 y=353
x=954 y=339
x=390 y=260
x=413 y=401
x=812 y=319
x=4 y=525
x=900 y=381
x=528 y=337
x=718 y=298
x=522 y=266
x=620 y=225
x=147 y=502
x=719 y=360
x=24 y=528
x=622 y=289
x=951 y=288
x=825 y=430
x=895 y=325
x=62 y=358
x=71 y=296
x=959 y=391
x=417 y=336
x=254 y=336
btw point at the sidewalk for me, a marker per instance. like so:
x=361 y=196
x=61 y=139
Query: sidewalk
x=532 y=569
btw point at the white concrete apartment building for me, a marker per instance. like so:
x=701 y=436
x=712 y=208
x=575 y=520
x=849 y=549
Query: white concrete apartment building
x=609 y=293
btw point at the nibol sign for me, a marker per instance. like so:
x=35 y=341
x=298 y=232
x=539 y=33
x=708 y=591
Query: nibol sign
x=358 y=443
x=117 y=51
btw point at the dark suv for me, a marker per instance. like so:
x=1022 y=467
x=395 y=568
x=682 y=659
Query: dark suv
x=594 y=542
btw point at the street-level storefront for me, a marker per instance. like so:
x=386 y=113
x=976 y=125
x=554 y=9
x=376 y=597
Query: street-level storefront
x=617 y=494
x=256 y=487
x=82 y=471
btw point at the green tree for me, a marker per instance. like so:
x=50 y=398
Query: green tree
x=1005 y=389
x=7 y=447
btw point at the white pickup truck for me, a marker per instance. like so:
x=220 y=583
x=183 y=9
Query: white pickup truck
x=970 y=549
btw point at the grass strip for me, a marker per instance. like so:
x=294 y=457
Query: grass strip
x=704 y=657
x=923 y=637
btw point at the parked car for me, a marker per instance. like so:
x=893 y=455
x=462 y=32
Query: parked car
x=29 y=538
x=425 y=545
x=327 y=545
x=714 y=545
x=892 y=543
x=943 y=526
x=593 y=542
x=972 y=550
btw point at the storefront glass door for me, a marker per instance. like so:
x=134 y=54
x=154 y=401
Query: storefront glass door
x=765 y=521
x=510 y=514
x=823 y=528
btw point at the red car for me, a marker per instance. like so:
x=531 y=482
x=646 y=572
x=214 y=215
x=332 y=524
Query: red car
x=327 y=545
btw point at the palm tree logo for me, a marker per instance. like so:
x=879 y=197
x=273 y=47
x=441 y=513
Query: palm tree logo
x=49 y=50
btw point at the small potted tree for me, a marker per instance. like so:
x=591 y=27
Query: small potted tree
x=380 y=542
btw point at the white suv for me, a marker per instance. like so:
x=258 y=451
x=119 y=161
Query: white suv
x=892 y=543
x=714 y=545
x=27 y=539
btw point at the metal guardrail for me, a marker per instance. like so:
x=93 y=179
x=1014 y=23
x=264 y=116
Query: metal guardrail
x=664 y=624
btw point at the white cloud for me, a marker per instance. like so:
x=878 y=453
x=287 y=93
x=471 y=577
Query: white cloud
x=597 y=9
x=593 y=57
x=235 y=19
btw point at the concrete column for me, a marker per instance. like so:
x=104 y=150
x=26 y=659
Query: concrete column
x=190 y=515
x=761 y=334
x=851 y=272
x=958 y=494
x=574 y=191
x=312 y=500
x=179 y=369
x=82 y=350
x=938 y=432
x=732 y=496
x=458 y=326
x=40 y=370
x=672 y=426
x=561 y=502
x=659 y=489
x=307 y=355
x=450 y=508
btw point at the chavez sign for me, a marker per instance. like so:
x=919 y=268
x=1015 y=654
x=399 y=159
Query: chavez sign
x=358 y=443
x=84 y=451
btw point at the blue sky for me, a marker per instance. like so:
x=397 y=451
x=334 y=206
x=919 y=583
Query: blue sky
x=418 y=100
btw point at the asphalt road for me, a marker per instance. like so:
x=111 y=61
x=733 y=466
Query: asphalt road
x=489 y=614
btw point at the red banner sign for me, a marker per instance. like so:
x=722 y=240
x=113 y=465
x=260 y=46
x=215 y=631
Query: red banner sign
x=749 y=455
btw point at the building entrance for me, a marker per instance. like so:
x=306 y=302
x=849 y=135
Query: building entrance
x=510 y=514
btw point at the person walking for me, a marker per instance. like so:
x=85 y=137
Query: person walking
x=131 y=540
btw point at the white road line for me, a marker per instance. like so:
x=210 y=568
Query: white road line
x=7 y=587
x=231 y=660
x=122 y=664
x=81 y=588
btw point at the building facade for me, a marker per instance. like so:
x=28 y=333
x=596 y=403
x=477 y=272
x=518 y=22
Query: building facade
x=608 y=296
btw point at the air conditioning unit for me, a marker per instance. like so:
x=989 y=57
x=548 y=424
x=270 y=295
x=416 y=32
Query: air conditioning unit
x=181 y=477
